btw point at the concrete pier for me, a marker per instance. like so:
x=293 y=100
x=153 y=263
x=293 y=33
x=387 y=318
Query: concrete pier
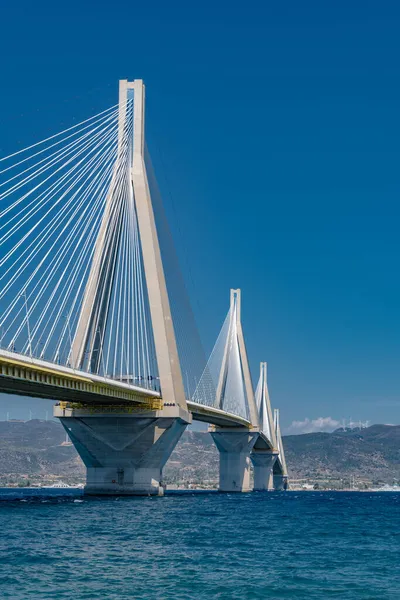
x=279 y=482
x=124 y=453
x=234 y=458
x=263 y=464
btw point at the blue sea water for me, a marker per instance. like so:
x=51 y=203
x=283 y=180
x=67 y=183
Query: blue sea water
x=293 y=545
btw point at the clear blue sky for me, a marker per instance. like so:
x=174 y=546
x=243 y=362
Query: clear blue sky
x=279 y=130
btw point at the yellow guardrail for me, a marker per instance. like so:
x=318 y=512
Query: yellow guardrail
x=16 y=369
x=151 y=404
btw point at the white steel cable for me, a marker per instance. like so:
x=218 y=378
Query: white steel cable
x=57 y=134
x=53 y=259
x=48 y=198
x=51 y=225
x=75 y=170
x=82 y=149
x=109 y=118
x=68 y=242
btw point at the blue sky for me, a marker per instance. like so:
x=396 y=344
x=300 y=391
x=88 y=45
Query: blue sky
x=275 y=128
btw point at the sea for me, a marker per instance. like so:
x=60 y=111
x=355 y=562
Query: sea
x=57 y=544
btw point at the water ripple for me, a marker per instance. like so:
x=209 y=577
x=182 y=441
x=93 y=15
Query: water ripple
x=294 y=546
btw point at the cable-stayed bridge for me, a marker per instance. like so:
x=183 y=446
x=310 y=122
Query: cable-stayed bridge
x=94 y=314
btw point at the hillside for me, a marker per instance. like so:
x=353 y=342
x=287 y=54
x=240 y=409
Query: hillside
x=36 y=450
x=373 y=453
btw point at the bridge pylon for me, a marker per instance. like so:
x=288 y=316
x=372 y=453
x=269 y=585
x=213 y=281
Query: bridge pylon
x=125 y=449
x=265 y=450
x=235 y=443
x=280 y=473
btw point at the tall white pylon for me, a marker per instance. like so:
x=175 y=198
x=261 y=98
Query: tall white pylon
x=93 y=316
x=263 y=403
x=235 y=371
x=281 y=457
x=235 y=444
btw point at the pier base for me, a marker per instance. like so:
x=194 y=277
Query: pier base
x=124 y=454
x=280 y=482
x=234 y=458
x=263 y=464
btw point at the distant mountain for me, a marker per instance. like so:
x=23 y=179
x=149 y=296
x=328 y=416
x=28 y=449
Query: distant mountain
x=372 y=453
x=36 y=450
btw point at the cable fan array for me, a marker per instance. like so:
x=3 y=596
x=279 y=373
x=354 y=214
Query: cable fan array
x=233 y=398
x=52 y=202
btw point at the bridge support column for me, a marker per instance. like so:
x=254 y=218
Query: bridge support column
x=124 y=454
x=280 y=482
x=263 y=464
x=234 y=458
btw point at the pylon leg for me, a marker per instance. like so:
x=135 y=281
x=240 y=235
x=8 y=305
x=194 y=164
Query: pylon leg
x=124 y=454
x=280 y=482
x=234 y=459
x=263 y=464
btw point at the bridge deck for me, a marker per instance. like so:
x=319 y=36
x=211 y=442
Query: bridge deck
x=215 y=416
x=37 y=378
x=25 y=376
